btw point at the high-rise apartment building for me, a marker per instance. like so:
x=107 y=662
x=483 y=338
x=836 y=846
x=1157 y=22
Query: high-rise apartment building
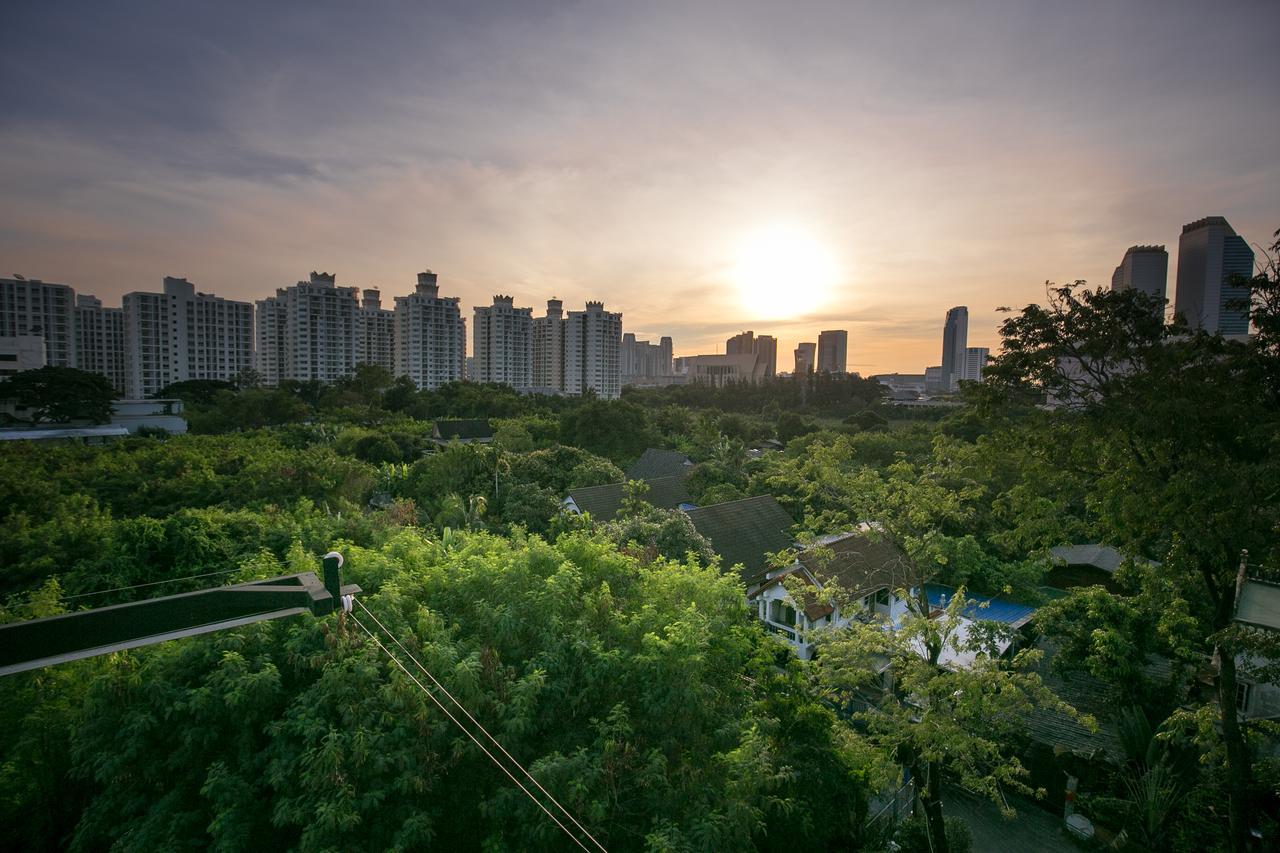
x=765 y=346
x=548 y=349
x=955 y=340
x=806 y=356
x=308 y=331
x=1210 y=255
x=100 y=345
x=645 y=363
x=376 y=332
x=975 y=362
x=833 y=351
x=178 y=335
x=592 y=352
x=502 y=338
x=1144 y=268
x=431 y=335
x=33 y=307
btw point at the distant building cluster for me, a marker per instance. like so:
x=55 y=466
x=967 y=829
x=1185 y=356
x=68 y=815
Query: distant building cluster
x=318 y=330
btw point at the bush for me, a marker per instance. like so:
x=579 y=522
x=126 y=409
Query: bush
x=912 y=837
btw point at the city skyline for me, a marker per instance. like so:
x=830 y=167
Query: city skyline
x=612 y=154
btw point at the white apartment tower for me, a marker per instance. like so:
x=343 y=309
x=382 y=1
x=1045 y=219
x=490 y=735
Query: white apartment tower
x=592 y=348
x=179 y=334
x=645 y=362
x=33 y=307
x=548 y=349
x=975 y=362
x=430 y=335
x=100 y=340
x=376 y=332
x=308 y=331
x=502 y=338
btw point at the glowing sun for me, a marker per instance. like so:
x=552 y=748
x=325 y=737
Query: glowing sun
x=783 y=271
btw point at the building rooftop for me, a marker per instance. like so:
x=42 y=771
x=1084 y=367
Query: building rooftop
x=1258 y=604
x=474 y=429
x=603 y=502
x=655 y=463
x=744 y=532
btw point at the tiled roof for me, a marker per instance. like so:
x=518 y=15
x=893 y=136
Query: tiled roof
x=1259 y=604
x=745 y=531
x=474 y=428
x=654 y=463
x=603 y=502
x=1097 y=555
x=1088 y=695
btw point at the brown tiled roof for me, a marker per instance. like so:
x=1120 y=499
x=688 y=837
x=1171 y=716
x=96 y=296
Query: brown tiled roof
x=860 y=564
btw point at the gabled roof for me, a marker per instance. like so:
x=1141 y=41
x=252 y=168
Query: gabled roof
x=473 y=429
x=861 y=563
x=603 y=502
x=745 y=531
x=1096 y=555
x=655 y=463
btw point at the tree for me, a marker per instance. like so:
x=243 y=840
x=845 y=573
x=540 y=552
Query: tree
x=951 y=704
x=60 y=395
x=1175 y=432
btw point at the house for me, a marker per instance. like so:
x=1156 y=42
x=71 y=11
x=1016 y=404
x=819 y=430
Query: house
x=655 y=463
x=470 y=431
x=1085 y=565
x=869 y=570
x=865 y=568
x=603 y=502
x=1257 y=610
x=745 y=532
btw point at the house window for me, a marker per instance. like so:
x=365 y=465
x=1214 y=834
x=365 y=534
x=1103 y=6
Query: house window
x=882 y=597
x=1243 y=691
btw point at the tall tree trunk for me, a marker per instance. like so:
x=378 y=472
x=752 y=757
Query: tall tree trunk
x=1239 y=769
x=931 y=800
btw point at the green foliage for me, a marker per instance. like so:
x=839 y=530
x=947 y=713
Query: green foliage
x=620 y=685
x=913 y=836
x=618 y=430
x=59 y=395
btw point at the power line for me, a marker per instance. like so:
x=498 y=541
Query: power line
x=141 y=585
x=480 y=726
x=468 y=733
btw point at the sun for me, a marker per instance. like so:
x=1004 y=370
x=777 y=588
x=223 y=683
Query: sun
x=784 y=271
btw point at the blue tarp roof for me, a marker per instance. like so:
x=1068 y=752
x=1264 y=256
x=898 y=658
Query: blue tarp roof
x=996 y=610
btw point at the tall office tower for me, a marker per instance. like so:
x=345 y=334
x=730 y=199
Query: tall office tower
x=502 y=337
x=431 y=335
x=765 y=346
x=592 y=349
x=643 y=362
x=740 y=344
x=955 y=340
x=806 y=358
x=767 y=349
x=33 y=307
x=179 y=334
x=1210 y=253
x=548 y=349
x=833 y=351
x=308 y=331
x=376 y=332
x=1144 y=268
x=100 y=340
x=975 y=362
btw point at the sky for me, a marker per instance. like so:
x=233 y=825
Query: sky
x=929 y=155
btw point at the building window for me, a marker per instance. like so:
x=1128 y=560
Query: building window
x=1244 y=691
